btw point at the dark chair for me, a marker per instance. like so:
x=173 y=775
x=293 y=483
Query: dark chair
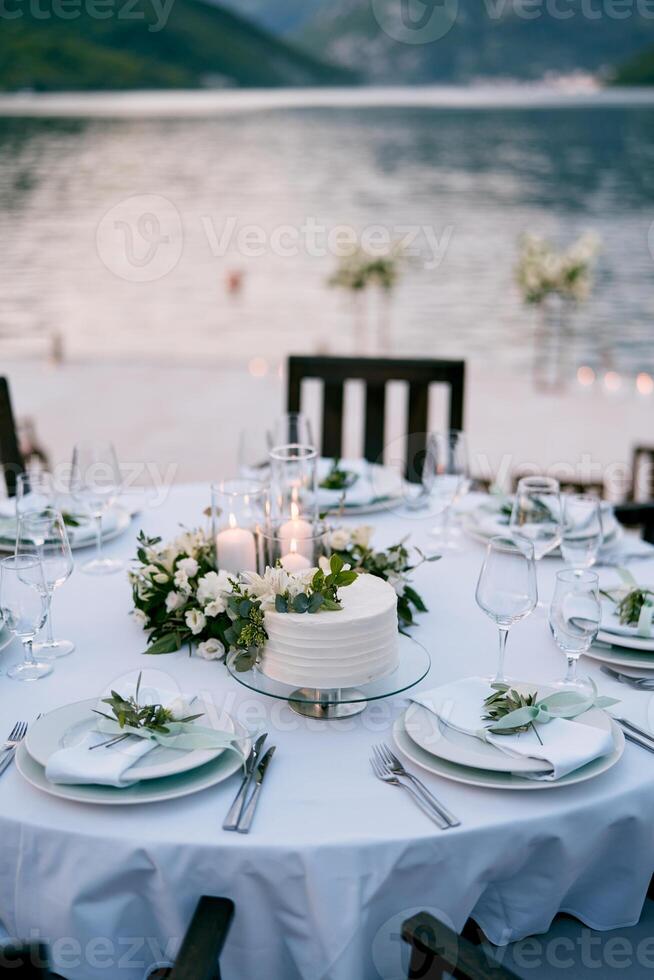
x=637 y=515
x=11 y=459
x=196 y=960
x=376 y=373
x=642 y=474
x=438 y=952
x=568 y=484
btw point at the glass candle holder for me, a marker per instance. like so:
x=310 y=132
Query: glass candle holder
x=294 y=554
x=293 y=483
x=236 y=514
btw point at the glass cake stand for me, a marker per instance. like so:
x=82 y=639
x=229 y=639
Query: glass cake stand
x=341 y=702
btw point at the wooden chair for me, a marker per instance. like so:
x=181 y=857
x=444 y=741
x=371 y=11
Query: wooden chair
x=196 y=960
x=11 y=459
x=568 y=484
x=637 y=515
x=376 y=373
x=642 y=459
x=438 y=952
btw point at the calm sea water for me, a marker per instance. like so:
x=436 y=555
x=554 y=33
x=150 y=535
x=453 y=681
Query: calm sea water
x=119 y=234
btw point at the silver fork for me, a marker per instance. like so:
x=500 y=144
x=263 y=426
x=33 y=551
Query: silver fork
x=392 y=762
x=386 y=776
x=16 y=736
x=643 y=683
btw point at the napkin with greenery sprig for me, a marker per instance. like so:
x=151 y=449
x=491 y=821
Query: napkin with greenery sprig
x=632 y=607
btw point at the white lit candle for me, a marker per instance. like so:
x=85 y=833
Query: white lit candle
x=235 y=549
x=298 y=531
x=293 y=562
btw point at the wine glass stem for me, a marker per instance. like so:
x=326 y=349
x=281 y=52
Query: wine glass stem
x=98 y=537
x=27 y=650
x=499 y=677
x=571 y=674
x=49 y=635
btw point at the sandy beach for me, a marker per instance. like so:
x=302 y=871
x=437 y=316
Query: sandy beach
x=176 y=424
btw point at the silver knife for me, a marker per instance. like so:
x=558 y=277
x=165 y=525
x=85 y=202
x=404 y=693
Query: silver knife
x=247 y=816
x=636 y=730
x=232 y=818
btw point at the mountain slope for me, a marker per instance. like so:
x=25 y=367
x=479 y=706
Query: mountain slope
x=197 y=44
x=637 y=71
x=279 y=16
x=479 y=40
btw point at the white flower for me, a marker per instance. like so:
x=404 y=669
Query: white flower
x=143 y=589
x=211 y=650
x=181 y=581
x=340 y=539
x=300 y=581
x=324 y=565
x=362 y=535
x=160 y=578
x=180 y=708
x=195 y=621
x=215 y=607
x=273 y=582
x=397 y=582
x=174 y=601
x=140 y=617
x=213 y=585
x=189 y=566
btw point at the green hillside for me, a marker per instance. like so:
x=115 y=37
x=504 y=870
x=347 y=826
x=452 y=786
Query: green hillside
x=139 y=47
x=637 y=71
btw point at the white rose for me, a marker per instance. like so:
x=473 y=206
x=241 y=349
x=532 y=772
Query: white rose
x=160 y=578
x=362 y=535
x=180 y=708
x=211 y=650
x=340 y=539
x=181 y=581
x=140 y=617
x=174 y=601
x=189 y=566
x=215 y=607
x=213 y=585
x=195 y=621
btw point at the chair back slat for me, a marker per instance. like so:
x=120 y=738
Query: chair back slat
x=437 y=951
x=376 y=373
x=374 y=421
x=642 y=459
x=11 y=459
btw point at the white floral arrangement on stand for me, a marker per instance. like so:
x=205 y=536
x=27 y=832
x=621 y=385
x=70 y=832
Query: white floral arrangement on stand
x=543 y=271
x=180 y=598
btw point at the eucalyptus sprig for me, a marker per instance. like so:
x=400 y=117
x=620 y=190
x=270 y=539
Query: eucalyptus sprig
x=338 y=478
x=127 y=712
x=322 y=593
x=502 y=702
x=247 y=633
x=630 y=606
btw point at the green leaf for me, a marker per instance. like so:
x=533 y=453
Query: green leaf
x=301 y=603
x=347 y=578
x=244 y=608
x=415 y=598
x=168 y=643
x=245 y=661
x=316 y=602
x=336 y=564
x=281 y=604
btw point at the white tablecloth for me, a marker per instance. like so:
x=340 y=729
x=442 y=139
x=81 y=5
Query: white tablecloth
x=336 y=860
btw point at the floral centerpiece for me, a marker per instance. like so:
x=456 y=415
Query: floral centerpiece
x=181 y=600
x=542 y=271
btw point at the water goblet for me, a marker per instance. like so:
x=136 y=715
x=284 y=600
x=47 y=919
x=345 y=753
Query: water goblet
x=507 y=591
x=574 y=618
x=24 y=607
x=536 y=516
x=44 y=535
x=582 y=530
x=445 y=478
x=95 y=482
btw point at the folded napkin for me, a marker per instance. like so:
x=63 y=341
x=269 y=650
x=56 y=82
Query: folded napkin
x=566 y=746
x=361 y=492
x=111 y=766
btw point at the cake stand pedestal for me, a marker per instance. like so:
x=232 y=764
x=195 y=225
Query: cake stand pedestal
x=343 y=702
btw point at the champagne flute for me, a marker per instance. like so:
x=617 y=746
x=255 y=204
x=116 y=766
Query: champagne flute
x=536 y=516
x=507 y=590
x=24 y=607
x=575 y=616
x=445 y=477
x=95 y=482
x=44 y=536
x=582 y=530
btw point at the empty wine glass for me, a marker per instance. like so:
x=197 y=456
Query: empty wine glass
x=35 y=491
x=445 y=478
x=44 y=535
x=507 y=590
x=254 y=445
x=536 y=515
x=24 y=607
x=582 y=530
x=575 y=616
x=95 y=483
x=292 y=427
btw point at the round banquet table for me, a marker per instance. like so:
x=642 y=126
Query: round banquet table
x=336 y=860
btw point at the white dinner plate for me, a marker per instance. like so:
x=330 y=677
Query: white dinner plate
x=68 y=725
x=479 y=524
x=386 y=489
x=502 y=780
x=429 y=732
x=151 y=791
x=84 y=537
x=623 y=652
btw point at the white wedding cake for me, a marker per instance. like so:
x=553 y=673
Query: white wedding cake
x=344 y=648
